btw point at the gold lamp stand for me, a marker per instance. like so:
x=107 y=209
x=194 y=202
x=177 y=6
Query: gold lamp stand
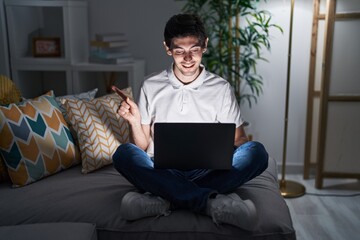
x=289 y=189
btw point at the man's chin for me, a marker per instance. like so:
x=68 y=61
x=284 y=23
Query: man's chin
x=189 y=74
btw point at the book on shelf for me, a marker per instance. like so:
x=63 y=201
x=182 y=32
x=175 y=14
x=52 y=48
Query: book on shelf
x=113 y=44
x=110 y=37
x=94 y=59
x=110 y=49
x=112 y=52
x=103 y=53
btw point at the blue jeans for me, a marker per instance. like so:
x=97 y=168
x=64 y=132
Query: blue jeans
x=189 y=189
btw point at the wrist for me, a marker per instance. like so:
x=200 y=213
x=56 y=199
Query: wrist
x=135 y=124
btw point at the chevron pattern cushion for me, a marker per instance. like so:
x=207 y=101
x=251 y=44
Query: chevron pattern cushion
x=90 y=95
x=35 y=140
x=99 y=128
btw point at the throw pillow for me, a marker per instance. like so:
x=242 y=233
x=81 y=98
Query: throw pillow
x=90 y=95
x=35 y=140
x=9 y=93
x=4 y=176
x=100 y=130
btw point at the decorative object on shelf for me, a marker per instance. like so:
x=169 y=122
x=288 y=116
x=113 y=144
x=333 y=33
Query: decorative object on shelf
x=46 y=47
x=110 y=48
x=289 y=189
x=234 y=48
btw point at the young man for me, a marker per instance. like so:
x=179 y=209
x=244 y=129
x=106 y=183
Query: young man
x=186 y=92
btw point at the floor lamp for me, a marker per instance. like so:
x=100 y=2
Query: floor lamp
x=289 y=188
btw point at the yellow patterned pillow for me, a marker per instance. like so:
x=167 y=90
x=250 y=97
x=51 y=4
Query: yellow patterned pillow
x=35 y=140
x=9 y=93
x=100 y=130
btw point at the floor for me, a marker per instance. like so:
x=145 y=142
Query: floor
x=332 y=213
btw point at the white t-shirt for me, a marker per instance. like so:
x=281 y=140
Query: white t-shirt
x=210 y=98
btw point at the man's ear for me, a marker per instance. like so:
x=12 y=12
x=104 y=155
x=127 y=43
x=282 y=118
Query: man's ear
x=167 y=49
x=206 y=44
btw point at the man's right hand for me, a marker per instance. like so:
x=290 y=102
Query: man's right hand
x=129 y=111
x=140 y=133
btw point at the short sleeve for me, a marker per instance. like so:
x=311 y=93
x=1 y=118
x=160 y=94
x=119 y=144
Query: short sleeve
x=144 y=108
x=230 y=109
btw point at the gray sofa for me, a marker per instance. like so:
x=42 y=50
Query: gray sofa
x=47 y=231
x=70 y=196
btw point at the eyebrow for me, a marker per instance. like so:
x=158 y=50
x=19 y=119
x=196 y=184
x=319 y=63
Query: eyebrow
x=196 y=45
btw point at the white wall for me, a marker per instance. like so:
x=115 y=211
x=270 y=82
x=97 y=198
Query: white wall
x=268 y=116
x=143 y=21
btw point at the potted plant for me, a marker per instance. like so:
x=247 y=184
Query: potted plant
x=237 y=33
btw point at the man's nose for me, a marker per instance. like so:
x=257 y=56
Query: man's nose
x=187 y=56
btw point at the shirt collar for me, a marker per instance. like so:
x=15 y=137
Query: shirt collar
x=193 y=85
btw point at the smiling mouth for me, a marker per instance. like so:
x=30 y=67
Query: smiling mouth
x=188 y=66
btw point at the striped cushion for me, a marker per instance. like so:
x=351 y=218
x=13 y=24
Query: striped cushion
x=90 y=95
x=35 y=140
x=99 y=128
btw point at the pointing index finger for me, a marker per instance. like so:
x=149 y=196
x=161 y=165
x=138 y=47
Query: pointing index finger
x=119 y=92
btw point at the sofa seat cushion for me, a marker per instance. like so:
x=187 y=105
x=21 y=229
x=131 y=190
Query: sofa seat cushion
x=53 y=231
x=96 y=197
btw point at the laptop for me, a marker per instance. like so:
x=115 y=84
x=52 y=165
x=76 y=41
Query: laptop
x=186 y=146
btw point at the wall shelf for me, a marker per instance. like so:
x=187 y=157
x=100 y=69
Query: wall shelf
x=67 y=20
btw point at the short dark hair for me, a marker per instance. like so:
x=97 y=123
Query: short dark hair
x=184 y=25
